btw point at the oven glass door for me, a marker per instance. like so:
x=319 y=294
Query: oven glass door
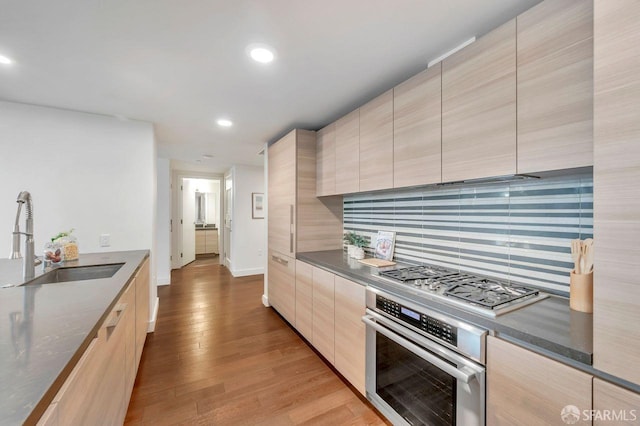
x=414 y=381
x=416 y=389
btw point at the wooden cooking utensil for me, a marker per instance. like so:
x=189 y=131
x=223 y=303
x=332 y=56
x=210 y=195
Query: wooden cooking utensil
x=588 y=255
x=576 y=254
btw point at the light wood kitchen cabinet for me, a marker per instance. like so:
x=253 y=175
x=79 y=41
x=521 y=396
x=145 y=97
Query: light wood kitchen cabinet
x=96 y=391
x=207 y=241
x=350 y=331
x=282 y=285
x=616 y=310
x=479 y=108
x=324 y=313
x=326 y=161
x=298 y=220
x=524 y=388
x=376 y=143
x=129 y=323
x=282 y=195
x=612 y=398
x=555 y=86
x=142 y=308
x=417 y=129
x=348 y=153
x=304 y=299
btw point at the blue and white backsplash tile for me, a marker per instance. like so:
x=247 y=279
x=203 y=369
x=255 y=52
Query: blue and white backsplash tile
x=518 y=231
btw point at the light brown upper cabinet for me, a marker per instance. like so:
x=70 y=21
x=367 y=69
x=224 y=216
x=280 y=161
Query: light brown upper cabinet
x=348 y=153
x=479 y=108
x=417 y=129
x=326 y=161
x=616 y=290
x=298 y=221
x=376 y=143
x=282 y=194
x=555 y=86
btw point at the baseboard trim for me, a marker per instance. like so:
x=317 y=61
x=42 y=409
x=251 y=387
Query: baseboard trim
x=163 y=281
x=152 y=324
x=265 y=300
x=246 y=272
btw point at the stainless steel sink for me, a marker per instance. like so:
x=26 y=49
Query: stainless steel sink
x=79 y=273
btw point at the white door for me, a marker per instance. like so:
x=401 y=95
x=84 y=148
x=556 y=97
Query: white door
x=228 y=202
x=188 y=223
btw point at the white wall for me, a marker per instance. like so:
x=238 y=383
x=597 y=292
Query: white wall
x=89 y=172
x=212 y=187
x=247 y=236
x=163 y=226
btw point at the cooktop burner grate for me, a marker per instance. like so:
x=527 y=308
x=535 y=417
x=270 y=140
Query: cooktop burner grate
x=484 y=292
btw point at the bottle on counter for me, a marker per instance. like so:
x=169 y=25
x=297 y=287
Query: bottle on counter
x=68 y=244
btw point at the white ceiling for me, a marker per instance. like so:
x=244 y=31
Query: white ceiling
x=182 y=64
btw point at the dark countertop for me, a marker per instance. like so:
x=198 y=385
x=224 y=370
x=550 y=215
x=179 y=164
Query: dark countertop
x=548 y=326
x=45 y=329
x=207 y=228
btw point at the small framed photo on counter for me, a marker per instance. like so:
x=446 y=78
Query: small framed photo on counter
x=384 y=245
x=257 y=205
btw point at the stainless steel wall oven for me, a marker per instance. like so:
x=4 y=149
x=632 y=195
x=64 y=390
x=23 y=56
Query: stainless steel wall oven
x=423 y=367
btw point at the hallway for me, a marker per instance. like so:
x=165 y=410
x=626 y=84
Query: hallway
x=218 y=356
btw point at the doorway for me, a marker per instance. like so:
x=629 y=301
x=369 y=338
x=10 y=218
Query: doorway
x=197 y=216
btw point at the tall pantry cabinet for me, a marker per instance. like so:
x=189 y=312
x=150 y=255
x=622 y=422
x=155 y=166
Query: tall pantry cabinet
x=298 y=221
x=616 y=173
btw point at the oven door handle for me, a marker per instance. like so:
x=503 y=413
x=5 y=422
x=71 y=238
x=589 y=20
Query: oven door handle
x=460 y=374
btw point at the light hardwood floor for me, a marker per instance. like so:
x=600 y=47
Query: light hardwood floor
x=218 y=356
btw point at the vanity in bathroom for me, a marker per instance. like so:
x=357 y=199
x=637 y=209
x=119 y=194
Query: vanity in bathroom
x=71 y=339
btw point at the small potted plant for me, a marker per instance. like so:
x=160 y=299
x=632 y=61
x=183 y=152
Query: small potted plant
x=360 y=243
x=349 y=238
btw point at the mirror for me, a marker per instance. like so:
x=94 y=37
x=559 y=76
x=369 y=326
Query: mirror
x=201 y=208
x=205 y=209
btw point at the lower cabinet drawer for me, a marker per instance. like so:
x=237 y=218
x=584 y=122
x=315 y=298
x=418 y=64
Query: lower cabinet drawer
x=95 y=392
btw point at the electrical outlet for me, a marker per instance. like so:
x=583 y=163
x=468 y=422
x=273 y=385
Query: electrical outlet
x=259 y=252
x=105 y=240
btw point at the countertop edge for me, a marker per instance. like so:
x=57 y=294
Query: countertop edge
x=42 y=405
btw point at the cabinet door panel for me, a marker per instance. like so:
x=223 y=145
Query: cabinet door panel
x=524 y=388
x=614 y=398
x=350 y=305
x=282 y=285
x=376 y=143
x=323 y=313
x=326 y=161
x=417 y=129
x=479 y=108
x=616 y=290
x=555 y=86
x=282 y=194
x=304 y=299
x=348 y=153
x=142 y=308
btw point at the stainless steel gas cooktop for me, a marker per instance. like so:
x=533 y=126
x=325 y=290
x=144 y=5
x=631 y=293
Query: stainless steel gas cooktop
x=487 y=296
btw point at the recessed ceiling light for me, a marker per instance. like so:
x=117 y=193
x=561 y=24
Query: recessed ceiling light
x=223 y=122
x=261 y=53
x=5 y=61
x=207 y=156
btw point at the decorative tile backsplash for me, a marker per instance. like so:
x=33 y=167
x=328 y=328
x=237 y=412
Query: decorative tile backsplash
x=517 y=231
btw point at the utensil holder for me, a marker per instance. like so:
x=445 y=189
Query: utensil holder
x=581 y=292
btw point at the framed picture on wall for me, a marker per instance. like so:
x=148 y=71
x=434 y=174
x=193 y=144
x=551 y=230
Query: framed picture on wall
x=257 y=205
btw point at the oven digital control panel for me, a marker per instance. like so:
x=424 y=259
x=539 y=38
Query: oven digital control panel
x=432 y=326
